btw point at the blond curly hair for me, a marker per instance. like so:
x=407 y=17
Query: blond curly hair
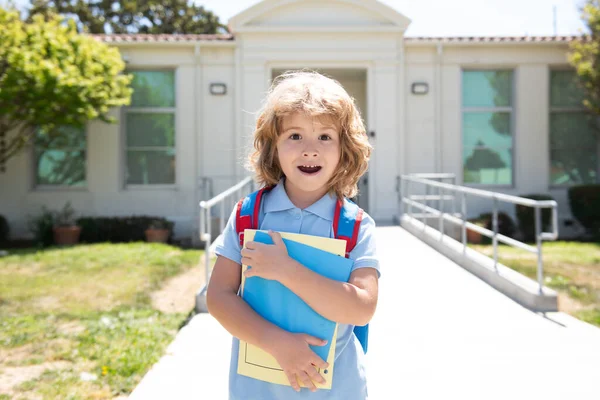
x=317 y=96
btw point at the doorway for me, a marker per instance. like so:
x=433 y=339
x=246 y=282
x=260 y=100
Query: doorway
x=354 y=80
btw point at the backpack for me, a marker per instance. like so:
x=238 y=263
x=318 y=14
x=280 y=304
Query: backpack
x=346 y=224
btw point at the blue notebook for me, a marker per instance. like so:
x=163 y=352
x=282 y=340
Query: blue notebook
x=279 y=305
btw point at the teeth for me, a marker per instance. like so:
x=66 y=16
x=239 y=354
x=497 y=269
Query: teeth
x=309 y=166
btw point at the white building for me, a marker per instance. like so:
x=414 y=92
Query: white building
x=499 y=112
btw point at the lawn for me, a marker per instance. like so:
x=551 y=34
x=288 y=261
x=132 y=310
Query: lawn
x=571 y=268
x=80 y=322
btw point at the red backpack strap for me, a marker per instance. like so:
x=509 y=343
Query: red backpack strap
x=346 y=223
x=247 y=209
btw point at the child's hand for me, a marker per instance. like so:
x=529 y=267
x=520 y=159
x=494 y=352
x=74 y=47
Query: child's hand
x=267 y=261
x=298 y=361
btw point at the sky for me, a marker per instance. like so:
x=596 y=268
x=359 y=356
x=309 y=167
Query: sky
x=459 y=17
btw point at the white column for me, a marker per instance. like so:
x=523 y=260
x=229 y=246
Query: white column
x=385 y=162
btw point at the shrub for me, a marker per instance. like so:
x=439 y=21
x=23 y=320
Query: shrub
x=117 y=229
x=4 y=230
x=66 y=216
x=526 y=217
x=506 y=225
x=584 y=201
x=41 y=226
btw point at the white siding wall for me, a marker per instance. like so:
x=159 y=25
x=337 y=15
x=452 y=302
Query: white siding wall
x=531 y=65
x=204 y=136
x=213 y=132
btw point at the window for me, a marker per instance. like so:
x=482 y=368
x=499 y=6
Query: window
x=61 y=159
x=150 y=129
x=487 y=137
x=573 y=137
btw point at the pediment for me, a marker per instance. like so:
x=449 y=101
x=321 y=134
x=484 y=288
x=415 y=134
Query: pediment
x=328 y=15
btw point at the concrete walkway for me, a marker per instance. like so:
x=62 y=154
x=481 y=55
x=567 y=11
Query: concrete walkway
x=439 y=333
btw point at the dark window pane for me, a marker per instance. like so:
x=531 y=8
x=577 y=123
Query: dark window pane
x=487 y=129
x=564 y=90
x=56 y=167
x=151 y=167
x=153 y=89
x=155 y=130
x=487 y=88
x=572 y=131
x=65 y=137
x=487 y=166
x=573 y=166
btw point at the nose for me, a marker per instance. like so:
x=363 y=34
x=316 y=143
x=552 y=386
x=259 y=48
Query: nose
x=310 y=149
x=309 y=153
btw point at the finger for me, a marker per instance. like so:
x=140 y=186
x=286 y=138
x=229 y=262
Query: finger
x=320 y=363
x=250 y=245
x=276 y=236
x=246 y=261
x=293 y=381
x=314 y=341
x=315 y=376
x=247 y=253
x=303 y=376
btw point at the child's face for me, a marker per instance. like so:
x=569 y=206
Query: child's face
x=309 y=152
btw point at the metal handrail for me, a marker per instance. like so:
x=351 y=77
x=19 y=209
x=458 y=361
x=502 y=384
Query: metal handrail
x=234 y=193
x=448 y=192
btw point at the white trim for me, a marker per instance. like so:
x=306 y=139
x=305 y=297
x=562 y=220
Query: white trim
x=150 y=110
x=190 y=43
x=321 y=29
x=433 y=43
x=150 y=186
x=237 y=22
x=61 y=188
x=371 y=104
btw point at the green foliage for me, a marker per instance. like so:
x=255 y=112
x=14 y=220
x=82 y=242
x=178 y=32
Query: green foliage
x=526 y=217
x=584 y=201
x=506 y=225
x=4 y=230
x=51 y=76
x=118 y=229
x=132 y=16
x=584 y=56
x=41 y=226
x=66 y=216
x=161 y=223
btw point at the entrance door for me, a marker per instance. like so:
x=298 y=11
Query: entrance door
x=355 y=83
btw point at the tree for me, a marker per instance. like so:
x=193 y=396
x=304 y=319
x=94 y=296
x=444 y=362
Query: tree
x=51 y=77
x=484 y=158
x=584 y=56
x=133 y=16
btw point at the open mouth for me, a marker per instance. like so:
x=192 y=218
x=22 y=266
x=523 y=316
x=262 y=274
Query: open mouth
x=309 y=169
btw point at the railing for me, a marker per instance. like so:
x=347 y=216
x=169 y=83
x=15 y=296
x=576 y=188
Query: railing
x=225 y=200
x=449 y=192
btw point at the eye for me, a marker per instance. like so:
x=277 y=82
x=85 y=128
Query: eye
x=295 y=136
x=325 y=137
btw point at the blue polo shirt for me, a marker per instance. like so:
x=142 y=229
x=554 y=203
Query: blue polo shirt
x=278 y=213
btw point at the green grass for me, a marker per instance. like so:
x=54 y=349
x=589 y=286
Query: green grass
x=88 y=306
x=571 y=268
x=88 y=277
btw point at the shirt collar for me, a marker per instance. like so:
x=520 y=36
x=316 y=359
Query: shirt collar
x=278 y=200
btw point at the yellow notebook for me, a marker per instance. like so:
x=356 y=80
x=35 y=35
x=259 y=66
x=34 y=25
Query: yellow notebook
x=257 y=363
